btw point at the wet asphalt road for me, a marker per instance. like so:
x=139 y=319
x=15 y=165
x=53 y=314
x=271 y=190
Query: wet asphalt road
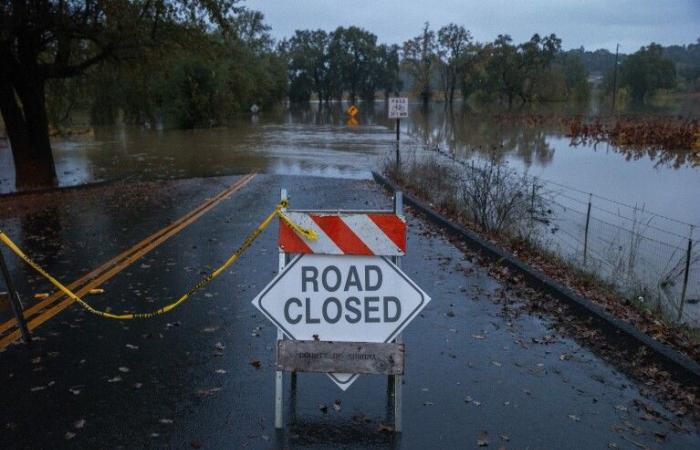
x=189 y=379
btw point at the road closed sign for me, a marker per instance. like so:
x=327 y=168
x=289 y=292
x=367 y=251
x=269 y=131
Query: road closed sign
x=347 y=298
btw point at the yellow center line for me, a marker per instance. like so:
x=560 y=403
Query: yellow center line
x=58 y=294
x=115 y=265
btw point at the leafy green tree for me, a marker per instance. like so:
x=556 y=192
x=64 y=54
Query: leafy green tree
x=309 y=67
x=249 y=28
x=575 y=76
x=515 y=71
x=646 y=71
x=194 y=93
x=42 y=40
x=504 y=68
x=453 y=43
x=203 y=83
x=351 y=54
x=387 y=70
x=419 y=59
x=536 y=57
x=63 y=97
x=254 y=73
x=472 y=69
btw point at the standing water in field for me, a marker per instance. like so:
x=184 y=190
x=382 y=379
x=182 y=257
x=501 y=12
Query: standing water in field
x=320 y=141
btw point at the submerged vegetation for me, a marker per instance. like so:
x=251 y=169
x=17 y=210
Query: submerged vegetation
x=669 y=140
x=653 y=133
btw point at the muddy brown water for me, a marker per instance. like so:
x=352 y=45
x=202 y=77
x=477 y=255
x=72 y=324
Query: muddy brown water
x=319 y=141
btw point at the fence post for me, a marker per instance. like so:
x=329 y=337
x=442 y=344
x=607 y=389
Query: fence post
x=685 y=274
x=14 y=300
x=398 y=151
x=532 y=198
x=585 y=235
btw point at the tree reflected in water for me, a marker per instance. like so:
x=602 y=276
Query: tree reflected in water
x=465 y=133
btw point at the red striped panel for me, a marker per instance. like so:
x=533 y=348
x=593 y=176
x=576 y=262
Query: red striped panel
x=393 y=227
x=290 y=242
x=342 y=235
x=337 y=235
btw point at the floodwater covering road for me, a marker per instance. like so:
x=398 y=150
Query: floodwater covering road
x=319 y=141
x=203 y=375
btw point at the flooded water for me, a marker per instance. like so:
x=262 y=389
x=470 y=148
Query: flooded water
x=309 y=141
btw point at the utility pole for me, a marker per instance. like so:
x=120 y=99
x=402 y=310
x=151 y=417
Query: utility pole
x=617 y=51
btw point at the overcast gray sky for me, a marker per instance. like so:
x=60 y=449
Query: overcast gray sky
x=591 y=23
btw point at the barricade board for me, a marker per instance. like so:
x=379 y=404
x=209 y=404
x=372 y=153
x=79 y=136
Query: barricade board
x=346 y=234
x=341 y=299
x=347 y=357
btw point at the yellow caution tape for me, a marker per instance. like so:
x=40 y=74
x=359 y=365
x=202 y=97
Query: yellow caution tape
x=307 y=233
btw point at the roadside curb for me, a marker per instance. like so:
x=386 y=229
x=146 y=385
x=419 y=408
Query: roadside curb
x=680 y=363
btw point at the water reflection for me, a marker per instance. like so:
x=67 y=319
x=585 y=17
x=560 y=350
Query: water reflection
x=465 y=133
x=317 y=140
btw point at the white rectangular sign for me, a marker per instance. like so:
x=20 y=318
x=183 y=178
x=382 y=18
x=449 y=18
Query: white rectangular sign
x=398 y=107
x=341 y=298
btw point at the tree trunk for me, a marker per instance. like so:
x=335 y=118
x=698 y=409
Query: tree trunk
x=425 y=96
x=28 y=130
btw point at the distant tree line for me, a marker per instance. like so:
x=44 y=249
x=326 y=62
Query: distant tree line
x=194 y=63
x=647 y=70
x=348 y=61
x=201 y=78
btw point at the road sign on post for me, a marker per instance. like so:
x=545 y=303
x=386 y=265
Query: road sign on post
x=343 y=299
x=398 y=109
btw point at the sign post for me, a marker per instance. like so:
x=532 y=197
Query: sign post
x=341 y=302
x=398 y=378
x=279 y=380
x=14 y=300
x=398 y=109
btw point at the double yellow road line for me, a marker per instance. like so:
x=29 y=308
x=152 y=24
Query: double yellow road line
x=57 y=302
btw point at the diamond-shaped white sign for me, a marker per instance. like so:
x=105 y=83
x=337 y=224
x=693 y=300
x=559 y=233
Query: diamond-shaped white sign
x=341 y=298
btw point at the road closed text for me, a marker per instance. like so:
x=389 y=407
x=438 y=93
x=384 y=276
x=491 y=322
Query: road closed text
x=352 y=298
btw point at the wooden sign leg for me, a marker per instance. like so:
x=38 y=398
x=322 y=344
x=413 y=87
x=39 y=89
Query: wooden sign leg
x=293 y=398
